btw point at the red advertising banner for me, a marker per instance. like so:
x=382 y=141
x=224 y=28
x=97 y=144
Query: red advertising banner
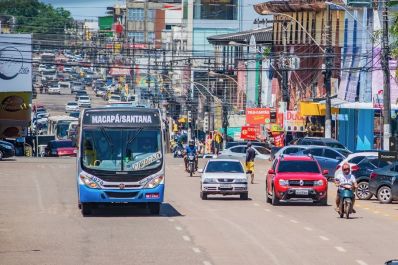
x=279 y=140
x=248 y=133
x=256 y=116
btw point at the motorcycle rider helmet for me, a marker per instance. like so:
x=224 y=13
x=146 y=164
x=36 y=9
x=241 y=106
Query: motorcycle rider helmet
x=191 y=143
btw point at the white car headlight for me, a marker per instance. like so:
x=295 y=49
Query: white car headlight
x=318 y=182
x=89 y=182
x=241 y=180
x=153 y=183
x=209 y=180
x=283 y=182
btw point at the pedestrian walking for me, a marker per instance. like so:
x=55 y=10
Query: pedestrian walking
x=250 y=155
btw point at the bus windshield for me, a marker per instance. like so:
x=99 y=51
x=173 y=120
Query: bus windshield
x=121 y=149
x=62 y=129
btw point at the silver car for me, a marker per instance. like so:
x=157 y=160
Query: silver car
x=239 y=152
x=223 y=176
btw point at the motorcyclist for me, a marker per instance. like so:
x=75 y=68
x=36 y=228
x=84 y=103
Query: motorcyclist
x=345 y=180
x=191 y=150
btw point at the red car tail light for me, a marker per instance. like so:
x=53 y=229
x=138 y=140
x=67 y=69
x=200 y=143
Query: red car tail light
x=373 y=175
x=355 y=168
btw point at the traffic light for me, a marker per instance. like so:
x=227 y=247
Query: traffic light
x=189 y=116
x=206 y=122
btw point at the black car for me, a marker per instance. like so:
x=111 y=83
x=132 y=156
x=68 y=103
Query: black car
x=384 y=183
x=6 y=149
x=318 y=141
x=362 y=170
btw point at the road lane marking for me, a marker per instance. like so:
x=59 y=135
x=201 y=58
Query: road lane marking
x=179 y=228
x=256 y=204
x=267 y=210
x=294 y=221
x=341 y=249
x=186 y=238
x=39 y=196
x=279 y=215
x=386 y=215
x=308 y=228
x=376 y=212
x=206 y=263
x=324 y=238
x=196 y=250
x=366 y=208
x=171 y=220
x=361 y=262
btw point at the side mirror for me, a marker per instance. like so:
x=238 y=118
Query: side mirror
x=325 y=172
x=200 y=170
x=271 y=171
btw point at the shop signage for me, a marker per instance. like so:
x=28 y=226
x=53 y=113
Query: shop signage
x=248 y=133
x=294 y=122
x=388 y=156
x=279 y=140
x=256 y=116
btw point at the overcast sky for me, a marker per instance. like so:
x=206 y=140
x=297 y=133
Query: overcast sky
x=84 y=9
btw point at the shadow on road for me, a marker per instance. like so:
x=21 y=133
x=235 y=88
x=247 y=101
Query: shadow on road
x=226 y=198
x=166 y=210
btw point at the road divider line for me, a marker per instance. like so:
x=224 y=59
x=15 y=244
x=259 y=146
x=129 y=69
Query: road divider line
x=341 y=249
x=324 y=238
x=308 y=228
x=256 y=204
x=171 y=220
x=376 y=212
x=267 y=210
x=196 y=250
x=294 y=221
x=206 y=263
x=386 y=215
x=361 y=262
x=366 y=208
x=186 y=238
x=179 y=228
x=279 y=215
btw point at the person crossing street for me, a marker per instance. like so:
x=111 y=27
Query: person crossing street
x=250 y=155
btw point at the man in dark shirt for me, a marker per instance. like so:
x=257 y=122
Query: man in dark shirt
x=250 y=155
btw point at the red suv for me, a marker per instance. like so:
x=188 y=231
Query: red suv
x=296 y=177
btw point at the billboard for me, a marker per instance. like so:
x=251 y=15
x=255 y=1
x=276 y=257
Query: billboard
x=294 y=122
x=16 y=63
x=256 y=116
x=15 y=84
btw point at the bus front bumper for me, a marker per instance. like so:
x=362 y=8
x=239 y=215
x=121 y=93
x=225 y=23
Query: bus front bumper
x=121 y=196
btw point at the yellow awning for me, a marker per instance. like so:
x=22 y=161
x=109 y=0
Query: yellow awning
x=314 y=109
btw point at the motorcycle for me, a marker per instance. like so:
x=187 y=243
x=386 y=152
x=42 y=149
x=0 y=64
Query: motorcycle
x=346 y=201
x=191 y=164
x=178 y=153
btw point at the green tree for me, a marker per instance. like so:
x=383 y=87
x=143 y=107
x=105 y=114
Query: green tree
x=32 y=16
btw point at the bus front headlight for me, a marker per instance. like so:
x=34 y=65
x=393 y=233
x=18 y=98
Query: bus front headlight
x=153 y=183
x=89 y=182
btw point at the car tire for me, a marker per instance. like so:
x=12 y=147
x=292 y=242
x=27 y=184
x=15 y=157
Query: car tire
x=1 y=155
x=274 y=200
x=267 y=198
x=244 y=196
x=86 y=208
x=362 y=191
x=384 y=194
x=203 y=195
x=154 y=208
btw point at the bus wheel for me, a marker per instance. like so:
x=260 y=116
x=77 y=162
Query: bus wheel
x=154 y=208
x=85 y=208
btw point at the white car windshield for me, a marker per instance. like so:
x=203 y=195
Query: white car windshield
x=224 y=166
x=72 y=104
x=84 y=98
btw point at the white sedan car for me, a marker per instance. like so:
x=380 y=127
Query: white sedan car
x=71 y=106
x=84 y=101
x=225 y=177
x=54 y=90
x=239 y=152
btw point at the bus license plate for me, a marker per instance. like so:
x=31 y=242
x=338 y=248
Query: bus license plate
x=225 y=186
x=301 y=192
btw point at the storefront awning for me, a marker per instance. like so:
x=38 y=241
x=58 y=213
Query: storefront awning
x=314 y=109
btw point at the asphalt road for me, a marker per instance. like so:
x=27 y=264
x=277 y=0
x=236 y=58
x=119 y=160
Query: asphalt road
x=41 y=224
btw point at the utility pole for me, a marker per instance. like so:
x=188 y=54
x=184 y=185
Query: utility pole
x=386 y=72
x=225 y=115
x=189 y=101
x=133 y=66
x=328 y=74
x=285 y=86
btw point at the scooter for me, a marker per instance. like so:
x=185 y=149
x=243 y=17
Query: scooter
x=191 y=165
x=346 y=201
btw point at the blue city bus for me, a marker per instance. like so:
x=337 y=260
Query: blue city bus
x=120 y=158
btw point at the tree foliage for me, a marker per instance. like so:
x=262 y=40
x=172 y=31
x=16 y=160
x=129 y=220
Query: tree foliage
x=32 y=16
